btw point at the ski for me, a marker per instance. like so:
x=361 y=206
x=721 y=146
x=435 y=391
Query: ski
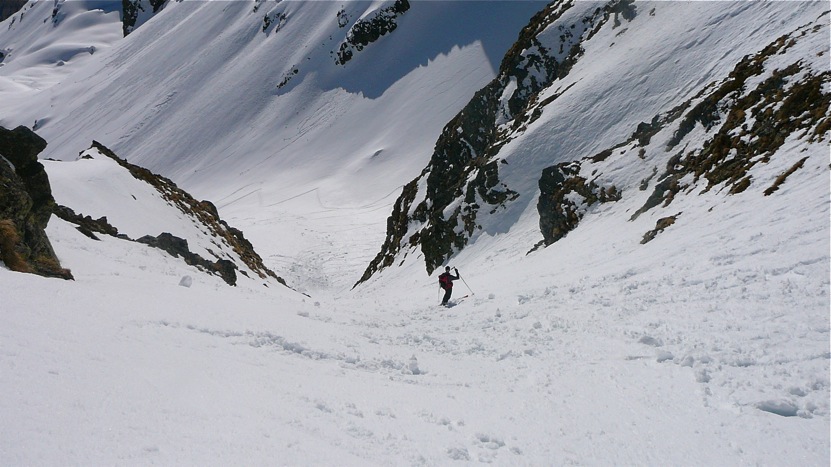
x=454 y=301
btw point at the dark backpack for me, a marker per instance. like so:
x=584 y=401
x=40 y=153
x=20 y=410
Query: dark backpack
x=445 y=282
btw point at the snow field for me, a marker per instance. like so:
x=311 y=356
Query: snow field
x=618 y=365
x=707 y=346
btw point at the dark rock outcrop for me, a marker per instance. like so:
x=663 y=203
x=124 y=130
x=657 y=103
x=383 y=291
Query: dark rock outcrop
x=661 y=225
x=178 y=247
x=26 y=204
x=131 y=9
x=560 y=187
x=86 y=224
x=367 y=31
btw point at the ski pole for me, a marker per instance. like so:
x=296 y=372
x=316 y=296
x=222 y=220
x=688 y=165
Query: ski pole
x=465 y=282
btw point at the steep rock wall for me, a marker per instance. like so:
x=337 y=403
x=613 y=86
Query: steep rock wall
x=26 y=205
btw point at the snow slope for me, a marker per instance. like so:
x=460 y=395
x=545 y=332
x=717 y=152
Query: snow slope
x=209 y=112
x=594 y=362
x=46 y=41
x=486 y=173
x=139 y=206
x=707 y=346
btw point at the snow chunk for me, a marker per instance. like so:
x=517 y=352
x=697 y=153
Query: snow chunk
x=413 y=366
x=664 y=356
x=458 y=454
x=649 y=340
x=779 y=407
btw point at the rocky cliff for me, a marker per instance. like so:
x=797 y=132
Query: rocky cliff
x=26 y=204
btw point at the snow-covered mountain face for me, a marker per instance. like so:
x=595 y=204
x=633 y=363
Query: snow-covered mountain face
x=637 y=104
x=42 y=38
x=252 y=103
x=263 y=103
x=283 y=84
x=634 y=193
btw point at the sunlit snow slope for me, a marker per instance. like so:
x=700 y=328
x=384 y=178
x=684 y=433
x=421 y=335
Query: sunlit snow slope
x=245 y=114
x=708 y=345
x=632 y=106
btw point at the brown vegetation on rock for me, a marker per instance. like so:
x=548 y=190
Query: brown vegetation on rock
x=9 y=239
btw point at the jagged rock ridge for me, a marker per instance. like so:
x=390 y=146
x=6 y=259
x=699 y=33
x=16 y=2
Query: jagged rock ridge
x=203 y=214
x=745 y=119
x=752 y=123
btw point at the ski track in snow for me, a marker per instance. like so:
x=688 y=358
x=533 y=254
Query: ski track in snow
x=611 y=366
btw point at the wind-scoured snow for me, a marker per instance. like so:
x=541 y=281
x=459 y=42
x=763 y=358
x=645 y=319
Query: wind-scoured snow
x=41 y=39
x=709 y=345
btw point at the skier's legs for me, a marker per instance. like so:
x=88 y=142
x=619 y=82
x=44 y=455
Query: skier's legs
x=447 y=293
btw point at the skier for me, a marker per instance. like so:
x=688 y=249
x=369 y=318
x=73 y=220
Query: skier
x=446 y=283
